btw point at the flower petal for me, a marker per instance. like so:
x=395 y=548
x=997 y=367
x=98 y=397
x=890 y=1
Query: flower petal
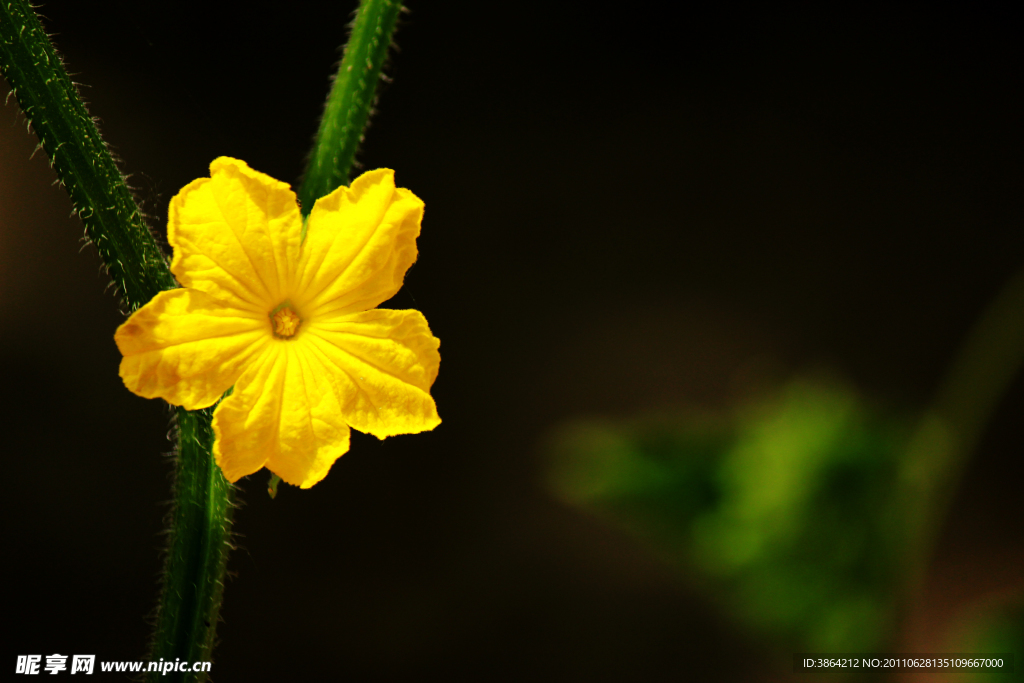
x=382 y=364
x=187 y=348
x=282 y=415
x=236 y=236
x=359 y=243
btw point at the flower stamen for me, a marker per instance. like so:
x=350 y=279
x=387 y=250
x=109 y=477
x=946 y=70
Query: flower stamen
x=285 y=320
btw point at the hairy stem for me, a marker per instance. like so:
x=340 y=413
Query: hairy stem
x=84 y=166
x=349 y=102
x=197 y=552
x=201 y=517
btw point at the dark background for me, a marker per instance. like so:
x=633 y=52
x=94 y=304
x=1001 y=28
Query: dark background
x=626 y=209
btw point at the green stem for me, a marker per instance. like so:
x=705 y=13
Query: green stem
x=197 y=551
x=989 y=360
x=201 y=517
x=84 y=166
x=350 y=101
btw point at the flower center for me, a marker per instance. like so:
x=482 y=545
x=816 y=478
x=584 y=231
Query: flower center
x=285 y=321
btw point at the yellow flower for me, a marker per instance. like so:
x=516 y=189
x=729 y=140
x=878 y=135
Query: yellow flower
x=290 y=324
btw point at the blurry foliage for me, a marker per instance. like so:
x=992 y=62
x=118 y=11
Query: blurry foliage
x=789 y=508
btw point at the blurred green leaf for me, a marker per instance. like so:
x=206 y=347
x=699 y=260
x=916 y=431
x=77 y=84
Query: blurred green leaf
x=789 y=509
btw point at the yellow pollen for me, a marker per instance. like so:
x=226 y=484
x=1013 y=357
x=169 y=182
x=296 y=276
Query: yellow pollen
x=286 y=321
